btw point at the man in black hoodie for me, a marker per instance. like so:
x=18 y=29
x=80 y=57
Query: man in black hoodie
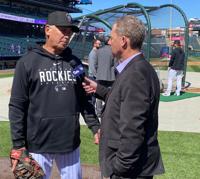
x=46 y=100
x=176 y=66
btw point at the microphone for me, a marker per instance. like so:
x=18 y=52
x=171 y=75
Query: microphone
x=78 y=70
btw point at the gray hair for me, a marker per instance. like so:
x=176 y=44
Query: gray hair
x=133 y=28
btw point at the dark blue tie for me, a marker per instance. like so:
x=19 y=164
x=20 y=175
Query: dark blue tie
x=116 y=72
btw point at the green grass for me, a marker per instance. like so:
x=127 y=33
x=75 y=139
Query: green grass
x=181 y=155
x=193 y=68
x=89 y=151
x=180 y=151
x=6 y=75
x=191 y=58
x=5 y=143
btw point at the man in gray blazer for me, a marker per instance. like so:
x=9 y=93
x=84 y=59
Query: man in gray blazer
x=91 y=63
x=92 y=58
x=104 y=65
x=129 y=147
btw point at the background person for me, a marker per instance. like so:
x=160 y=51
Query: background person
x=46 y=101
x=104 y=65
x=129 y=147
x=92 y=58
x=91 y=61
x=175 y=69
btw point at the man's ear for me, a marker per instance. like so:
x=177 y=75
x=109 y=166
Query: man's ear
x=124 y=42
x=47 y=30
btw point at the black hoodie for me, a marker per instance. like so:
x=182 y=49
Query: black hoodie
x=177 y=59
x=46 y=101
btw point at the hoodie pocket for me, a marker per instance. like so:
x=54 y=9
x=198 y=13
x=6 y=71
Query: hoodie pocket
x=57 y=131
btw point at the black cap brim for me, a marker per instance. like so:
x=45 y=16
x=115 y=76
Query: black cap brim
x=73 y=27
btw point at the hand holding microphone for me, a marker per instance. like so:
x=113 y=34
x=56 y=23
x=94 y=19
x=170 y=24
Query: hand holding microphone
x=89 y=85
x=78 y=71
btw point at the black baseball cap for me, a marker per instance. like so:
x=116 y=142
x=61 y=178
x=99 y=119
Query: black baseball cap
x=61 y=18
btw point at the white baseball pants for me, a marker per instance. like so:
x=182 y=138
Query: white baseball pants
x=178 y=74
x=68 y=164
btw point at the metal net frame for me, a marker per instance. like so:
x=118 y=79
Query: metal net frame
x=150 y=15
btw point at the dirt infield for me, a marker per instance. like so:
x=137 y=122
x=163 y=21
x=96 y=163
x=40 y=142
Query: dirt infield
x=88 y=171
x=192 y=90
x=10 y=71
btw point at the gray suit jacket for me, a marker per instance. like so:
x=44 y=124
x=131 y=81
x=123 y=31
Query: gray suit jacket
x=105 y=64
x=91 y=62
x=129 y=147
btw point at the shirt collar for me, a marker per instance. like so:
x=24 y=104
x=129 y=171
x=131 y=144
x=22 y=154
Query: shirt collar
x=123 y=64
